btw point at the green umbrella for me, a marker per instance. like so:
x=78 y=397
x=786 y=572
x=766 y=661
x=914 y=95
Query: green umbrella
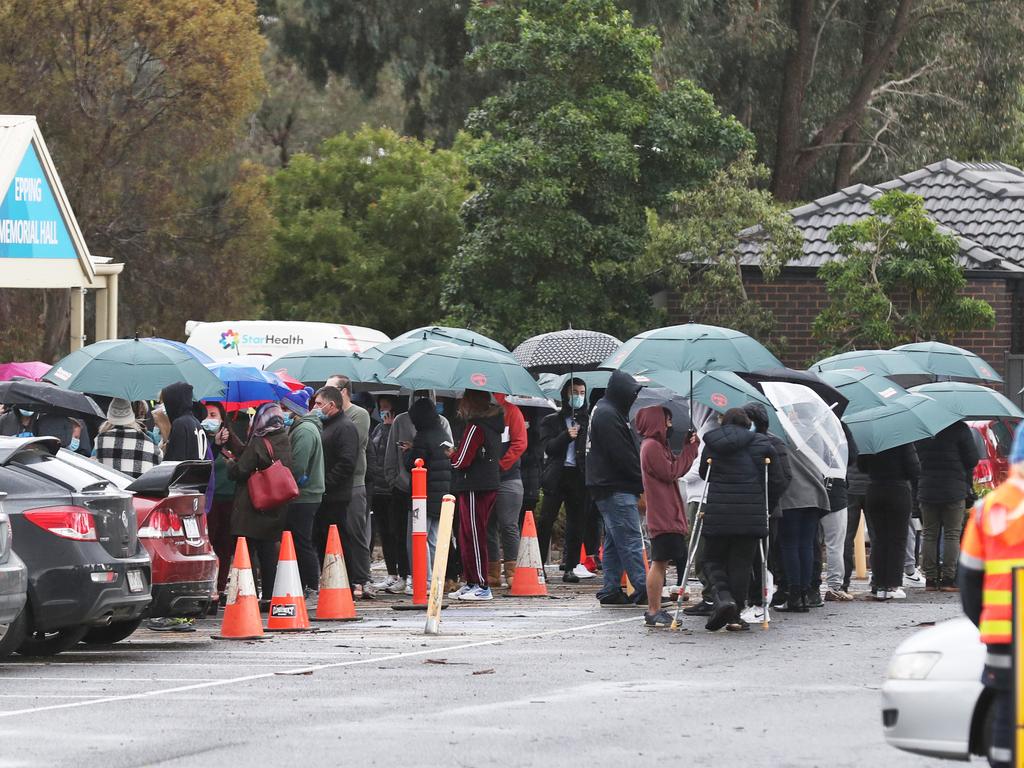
x=452 y=336
x=970 y=401
x=316 y=365
x=894 y=365
x=552 y=383
x=691 y=347
x=904 y=420
x=465 y=367
x=864 y=390
x=947 y=360
x=134 y=370
x=392 y=354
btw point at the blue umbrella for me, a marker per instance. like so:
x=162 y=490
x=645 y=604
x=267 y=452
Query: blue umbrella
x=247 y=386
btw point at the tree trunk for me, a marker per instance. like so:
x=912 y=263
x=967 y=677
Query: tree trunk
x=789 y=139
x=847 y=157
x=851 y=136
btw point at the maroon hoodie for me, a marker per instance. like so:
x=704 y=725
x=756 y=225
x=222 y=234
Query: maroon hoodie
x=661 y=468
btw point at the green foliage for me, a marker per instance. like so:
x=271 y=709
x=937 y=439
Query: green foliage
x=899 y=281
x=364 y=231
x=571 y=153
x=695 y=246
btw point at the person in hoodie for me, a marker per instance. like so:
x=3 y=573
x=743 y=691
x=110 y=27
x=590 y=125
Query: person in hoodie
x=735 y=517
x=431 y=443
x=615 y=483
x=666 y=517
x=503 y=526
x=305 y=434
x=187 y=440
x=563 y=436
x=477 y=479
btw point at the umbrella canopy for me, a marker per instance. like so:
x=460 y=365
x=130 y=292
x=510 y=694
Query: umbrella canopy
x=552 y=383
x=832 y=396
x=896 y=366
x=319 y=365
x=565 y=351
x=247 y=387
x=811 y=424
x=30 y=370
x=452 y=336
x=863 y=390
x=691 y=347
x=465 y=367
x=906 y=419
x=970 y=401
x=133 y=369
x=392 y=354
x=947 y=360
x=46 y=398
x=289 y=381
x=198 y=354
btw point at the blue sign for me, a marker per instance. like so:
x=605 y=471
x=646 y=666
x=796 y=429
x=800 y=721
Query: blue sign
x=31 y=226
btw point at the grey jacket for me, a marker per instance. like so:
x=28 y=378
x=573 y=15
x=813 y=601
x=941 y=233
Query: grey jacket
x=395 y=471
x=807 y=487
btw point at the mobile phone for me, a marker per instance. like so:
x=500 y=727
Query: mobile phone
x=447 y=444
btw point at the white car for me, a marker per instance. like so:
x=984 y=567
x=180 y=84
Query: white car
x=933 y=702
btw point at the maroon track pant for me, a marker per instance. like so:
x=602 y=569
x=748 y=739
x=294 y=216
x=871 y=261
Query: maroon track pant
x=474 y=510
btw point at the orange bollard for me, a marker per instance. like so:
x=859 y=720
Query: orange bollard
x=529 y=579
x=335 y=601
x=242 y=611
x=288 y=605
x=419 y=534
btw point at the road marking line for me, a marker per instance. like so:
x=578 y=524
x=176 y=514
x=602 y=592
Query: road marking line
x=318 y=668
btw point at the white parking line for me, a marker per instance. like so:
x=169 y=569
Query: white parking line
x=317 y=668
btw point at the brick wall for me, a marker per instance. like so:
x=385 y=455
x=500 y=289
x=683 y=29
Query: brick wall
x=798 y=296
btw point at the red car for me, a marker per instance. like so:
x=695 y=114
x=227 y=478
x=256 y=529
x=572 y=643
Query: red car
x=170 y=507
x=993 y=440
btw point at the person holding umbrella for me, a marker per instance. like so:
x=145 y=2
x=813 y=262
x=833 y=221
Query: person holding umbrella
x=18 y=422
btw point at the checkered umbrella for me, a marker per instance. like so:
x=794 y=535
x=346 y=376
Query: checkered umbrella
x=565 y=351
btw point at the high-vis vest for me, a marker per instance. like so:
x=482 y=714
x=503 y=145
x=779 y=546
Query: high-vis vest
x=993 y=542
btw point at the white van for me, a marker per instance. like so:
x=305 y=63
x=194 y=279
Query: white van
x=258 y=342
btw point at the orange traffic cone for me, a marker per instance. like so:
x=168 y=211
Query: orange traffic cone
x=335 y=602
x=288 y=605
x=529 y=578
x=242 y=611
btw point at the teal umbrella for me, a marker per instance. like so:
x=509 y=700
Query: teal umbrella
x=392 y=354
x=317 y=365
x=905 y=419
x=691 y=347
x=864 y=390
x=134 y=370
x=946 y=360
x=894 y=365
x=552 y=383
x=465 y=367
x=452 y=336
x=970 y=401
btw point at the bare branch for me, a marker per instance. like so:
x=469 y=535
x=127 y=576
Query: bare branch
x=817 y=41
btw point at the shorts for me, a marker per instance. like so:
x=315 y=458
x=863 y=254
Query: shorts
x=669 y=546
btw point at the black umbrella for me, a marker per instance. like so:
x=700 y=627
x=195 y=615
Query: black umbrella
x=41 y=396
x=565 y=351
x=823 y=389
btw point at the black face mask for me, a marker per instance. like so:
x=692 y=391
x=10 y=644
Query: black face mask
x=669 y=432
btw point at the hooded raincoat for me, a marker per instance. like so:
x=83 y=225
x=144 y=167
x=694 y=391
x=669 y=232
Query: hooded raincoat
x=661 y=470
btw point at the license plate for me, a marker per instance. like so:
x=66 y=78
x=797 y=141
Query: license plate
x=191 y=527
x=135 y=581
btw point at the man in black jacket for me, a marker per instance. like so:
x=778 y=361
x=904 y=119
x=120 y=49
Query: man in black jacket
x=563 y=436
x=341 y=449
x=946 y=481
x=615 y=483
x=187 y=440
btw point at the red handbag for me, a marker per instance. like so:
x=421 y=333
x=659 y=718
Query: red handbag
x=272 y=487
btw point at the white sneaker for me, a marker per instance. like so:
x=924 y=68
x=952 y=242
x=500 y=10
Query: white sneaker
x=583 y=572
x=478 y=593
x=754 y=615
x=397 y=586
x=407 y=587
x=896 y=594
x=458 y=593
x=915 y=579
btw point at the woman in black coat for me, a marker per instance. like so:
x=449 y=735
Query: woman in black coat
x=432 y=444
x=734 y=460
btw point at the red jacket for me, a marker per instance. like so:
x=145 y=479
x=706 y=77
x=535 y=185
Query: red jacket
x=516 y=426
x=661 y=469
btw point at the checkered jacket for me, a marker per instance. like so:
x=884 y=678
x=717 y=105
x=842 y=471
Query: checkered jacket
x=127 y=449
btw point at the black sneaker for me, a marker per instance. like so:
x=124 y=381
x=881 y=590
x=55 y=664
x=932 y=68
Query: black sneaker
x=703 y=608
x=659 y=619
x=814 y=598
x=617 y=597
x=739 y=625
x=570 y=578
x=639 y=598
x=723 y=613
x=778 y=599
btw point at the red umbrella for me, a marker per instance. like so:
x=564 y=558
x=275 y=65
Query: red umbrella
x=293 y=384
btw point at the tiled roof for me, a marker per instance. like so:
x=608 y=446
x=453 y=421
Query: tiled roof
x=981 y=204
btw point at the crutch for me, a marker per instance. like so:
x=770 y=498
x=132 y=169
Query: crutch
x=698 y=527
x=765 y=596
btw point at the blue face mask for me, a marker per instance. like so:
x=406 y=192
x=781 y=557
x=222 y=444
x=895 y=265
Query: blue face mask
x=210 y=425
x=74 y=444
x=288 y=419
x=576 y=401
x=752 y=428
x=27 y=414
x=439 y=407
x=319 y=414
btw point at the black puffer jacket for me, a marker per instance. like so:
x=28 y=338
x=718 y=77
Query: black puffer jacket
x=613 y=454
x=428 y=444
x=896 y=466
x=947 y=465
x=531 y=461
x=554 y=436
x=839 y=488
x=736 y=493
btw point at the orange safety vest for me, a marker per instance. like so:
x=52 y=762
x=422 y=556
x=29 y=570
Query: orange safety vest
x=993 y=542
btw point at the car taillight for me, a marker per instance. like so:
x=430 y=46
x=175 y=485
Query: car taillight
x=67 y=522
x=162 y=524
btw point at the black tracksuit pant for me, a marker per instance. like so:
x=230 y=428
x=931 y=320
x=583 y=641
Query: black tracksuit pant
x=888 y=507
x=728 y=561
x=573 y=493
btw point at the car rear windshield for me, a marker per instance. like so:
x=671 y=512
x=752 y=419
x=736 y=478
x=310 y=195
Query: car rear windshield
x=62 y=472
x=94 y=467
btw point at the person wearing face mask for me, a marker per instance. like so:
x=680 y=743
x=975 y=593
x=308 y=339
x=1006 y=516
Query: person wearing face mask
x=18 y=422
x=390 y=527
x=71 y=432
x=563 y=436
x=187 y=440
x=123 y=444
x=224 y=442
x=305 y=432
